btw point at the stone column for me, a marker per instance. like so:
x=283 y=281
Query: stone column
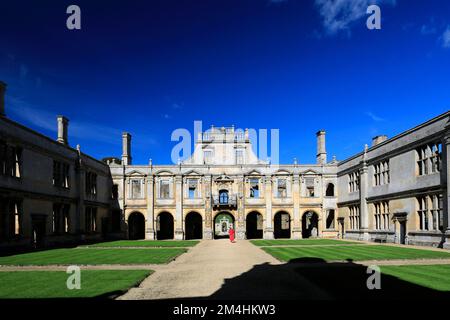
x=179 y=234
x=268 y=230
x=149 y=227
x=240 y=225
x=296 y=230
x=208 y=229
x=364 y=211
x=446 y=179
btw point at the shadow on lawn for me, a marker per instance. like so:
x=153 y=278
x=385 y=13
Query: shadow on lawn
x=312 y=278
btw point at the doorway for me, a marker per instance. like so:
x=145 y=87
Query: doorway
x=193 y=226
x=282 y=225
x=222 y=223
x=254 y=225
x=310 y=224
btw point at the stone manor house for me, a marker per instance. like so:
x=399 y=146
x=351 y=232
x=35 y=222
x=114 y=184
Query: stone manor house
x=395 y=190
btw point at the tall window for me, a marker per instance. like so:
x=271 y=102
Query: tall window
x=354 y=217
x=330 y=219
x=223 y=196
x=10 y=160
x=91 y=183
x=429 y=158
x=310 y=187
x=239 y=156
x=381 y=215
x=60 y=218
x=193 y=189
x=137 y=188
x=115 y=191
x=61 y=174
x=254 y=187
x=207 y=156
x=430 y=212
x=164 y=189
x=381 y=173
x=353 y=181
x=91 y=219
x=281 y=188
x=330 y=190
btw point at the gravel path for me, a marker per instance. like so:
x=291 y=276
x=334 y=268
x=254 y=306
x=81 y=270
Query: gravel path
x=222 y=270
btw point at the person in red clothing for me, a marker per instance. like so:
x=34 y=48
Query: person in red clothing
x=231 y=233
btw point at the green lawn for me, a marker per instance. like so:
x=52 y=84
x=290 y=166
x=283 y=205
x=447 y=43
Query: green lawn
x=146 y=243
x=435 y=277
x=93 y=256
x=52 y=284
x=300 y=242
x=356 y=252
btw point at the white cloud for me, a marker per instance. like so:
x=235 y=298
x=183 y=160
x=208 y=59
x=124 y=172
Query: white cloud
x=374 y=117
x=446 y=38
x=338 y=15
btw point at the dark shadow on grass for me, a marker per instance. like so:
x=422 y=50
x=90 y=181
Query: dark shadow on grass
x=315 y=279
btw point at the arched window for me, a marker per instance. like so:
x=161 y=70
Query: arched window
x=223 y=196
x=330 y=190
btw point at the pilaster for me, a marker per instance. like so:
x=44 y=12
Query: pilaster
x=179 y=234
x=149 y=226
x=268 y=230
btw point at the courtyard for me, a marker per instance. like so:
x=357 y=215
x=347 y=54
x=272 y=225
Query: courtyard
x=218 y=269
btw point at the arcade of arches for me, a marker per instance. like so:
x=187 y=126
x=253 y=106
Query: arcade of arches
x=223 y=221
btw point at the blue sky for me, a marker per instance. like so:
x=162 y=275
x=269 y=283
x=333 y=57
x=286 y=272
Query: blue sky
x=149 y=67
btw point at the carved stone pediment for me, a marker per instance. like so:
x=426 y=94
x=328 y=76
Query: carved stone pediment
x=224 y=179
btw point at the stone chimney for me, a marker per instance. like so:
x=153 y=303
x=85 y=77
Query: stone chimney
x=63 y=125
x=378 y=139
x=321 y=151
x=126 y=148
x=2 y=98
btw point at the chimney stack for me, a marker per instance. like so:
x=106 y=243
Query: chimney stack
x=321 y=152
x=63 y=124
x=126 y=148
x=2 y=98
x=378 y=139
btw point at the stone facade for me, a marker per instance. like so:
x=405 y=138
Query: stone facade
x=45 y=198
x=393 y=191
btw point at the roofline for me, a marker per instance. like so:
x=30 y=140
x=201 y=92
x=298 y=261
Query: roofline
x=398 y=136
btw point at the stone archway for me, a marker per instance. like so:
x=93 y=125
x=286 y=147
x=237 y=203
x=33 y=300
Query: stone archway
x=254 y=225
x=282 y=225
x=193 y=226
x=164 y=226
x=310 y=225
x=136 y=226
x=222 y=223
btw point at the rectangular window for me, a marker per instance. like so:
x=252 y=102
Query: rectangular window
x=10 y=160
x=91 y=219
x=115 y=192
x=310 y=187
x=91 y=183
x=136 y=189
x=207 y=156
x=354 y=217
x=430 y=212
x=193 y=188
x=381 y=215
x=254 y=188
x=164 y=192
x=61 y=174
x=353 y=181
x=239 y=156
x=330 y=219
x=15 y=219
x=281 y=188
x=381 y=173
x=429 y=158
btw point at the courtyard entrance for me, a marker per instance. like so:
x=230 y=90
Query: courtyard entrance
x=193 y=226
x=254 y=225
x=282 y=225
x=310 y=223
x=136 y=226
x=164 y=226
x=222 y=223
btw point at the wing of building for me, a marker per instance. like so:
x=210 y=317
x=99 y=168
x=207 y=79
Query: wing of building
x=396 y=190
